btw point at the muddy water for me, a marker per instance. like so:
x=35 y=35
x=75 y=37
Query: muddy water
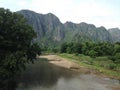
x=45 y=76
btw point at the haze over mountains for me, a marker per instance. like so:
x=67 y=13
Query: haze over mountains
x=50 y=30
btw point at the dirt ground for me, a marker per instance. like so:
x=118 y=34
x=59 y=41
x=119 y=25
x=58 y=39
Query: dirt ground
x=62 y=62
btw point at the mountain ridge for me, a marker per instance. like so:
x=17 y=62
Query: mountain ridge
x=115 y=33
x=49 y=29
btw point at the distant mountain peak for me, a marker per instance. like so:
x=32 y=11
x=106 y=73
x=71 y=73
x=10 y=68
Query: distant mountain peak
x=50 y=30
x=114 y=29
x=115 y=33
x=51 y=14
x=69 y=22
x=26 y=10
x=102 y=28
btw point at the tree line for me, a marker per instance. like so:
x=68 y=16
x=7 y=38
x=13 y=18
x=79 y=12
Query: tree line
x=93 y=49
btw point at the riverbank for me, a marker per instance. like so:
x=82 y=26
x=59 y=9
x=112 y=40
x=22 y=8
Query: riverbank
x=71 y=62
x=96 y=65
x=67 y=63
x=53 y=72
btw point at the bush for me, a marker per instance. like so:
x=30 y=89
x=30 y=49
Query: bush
x=115 y=58
x=92 y=53
x=112 y=66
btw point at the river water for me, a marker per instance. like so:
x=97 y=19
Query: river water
x=45 y=76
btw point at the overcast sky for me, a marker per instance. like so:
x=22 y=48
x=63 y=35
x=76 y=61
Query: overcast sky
x=98 y=12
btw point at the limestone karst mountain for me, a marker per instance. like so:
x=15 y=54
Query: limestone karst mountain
x=50 y=30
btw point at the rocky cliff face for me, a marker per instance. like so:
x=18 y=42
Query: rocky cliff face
x=88 y=31
x=115 y=33
x=49 y=29
x=46 y=26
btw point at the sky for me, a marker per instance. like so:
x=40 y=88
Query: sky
x=98 y=12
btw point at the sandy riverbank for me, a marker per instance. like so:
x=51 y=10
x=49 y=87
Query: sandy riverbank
x=63 y=62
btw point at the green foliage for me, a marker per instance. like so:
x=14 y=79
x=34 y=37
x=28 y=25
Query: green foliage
x=16 y=48
x=93 y=49
x=88 y=48
x=102 y=56
x=116 y=58
x=32 y=51
x=112 y=66
x=102 y=64
x=116 y=48
x=71 y=48
x=63 y=48
x=92 y=53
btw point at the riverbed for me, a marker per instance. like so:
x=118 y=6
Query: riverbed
x=44 y=74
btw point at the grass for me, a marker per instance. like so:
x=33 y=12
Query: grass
x=101 y=64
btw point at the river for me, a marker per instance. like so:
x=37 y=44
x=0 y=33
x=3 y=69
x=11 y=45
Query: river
x=46 y=76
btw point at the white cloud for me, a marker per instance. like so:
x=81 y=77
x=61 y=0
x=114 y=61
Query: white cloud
x=98 y=12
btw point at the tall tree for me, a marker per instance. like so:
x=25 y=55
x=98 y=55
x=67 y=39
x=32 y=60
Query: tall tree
x=16 y=48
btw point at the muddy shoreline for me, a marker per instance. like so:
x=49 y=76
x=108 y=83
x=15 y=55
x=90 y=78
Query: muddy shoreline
x=63 y=62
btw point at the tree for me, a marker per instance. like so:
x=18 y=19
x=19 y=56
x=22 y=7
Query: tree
x=86 y=47
x=16 y=47
x=70 y=47
x=77 y=48
x=116 y=48
x=63 y=48
x=92 y=53
x=115 y=58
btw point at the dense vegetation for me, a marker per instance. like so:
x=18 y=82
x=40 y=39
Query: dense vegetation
x=95 y=50
x=16 y=46
x=102 y=56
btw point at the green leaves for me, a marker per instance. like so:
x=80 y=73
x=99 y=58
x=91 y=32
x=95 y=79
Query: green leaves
x=92 y=53
x=15 y=43
x=32 y=51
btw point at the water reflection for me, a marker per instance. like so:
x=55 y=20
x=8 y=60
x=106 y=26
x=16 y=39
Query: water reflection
x=42 y=73
x=45 y=76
